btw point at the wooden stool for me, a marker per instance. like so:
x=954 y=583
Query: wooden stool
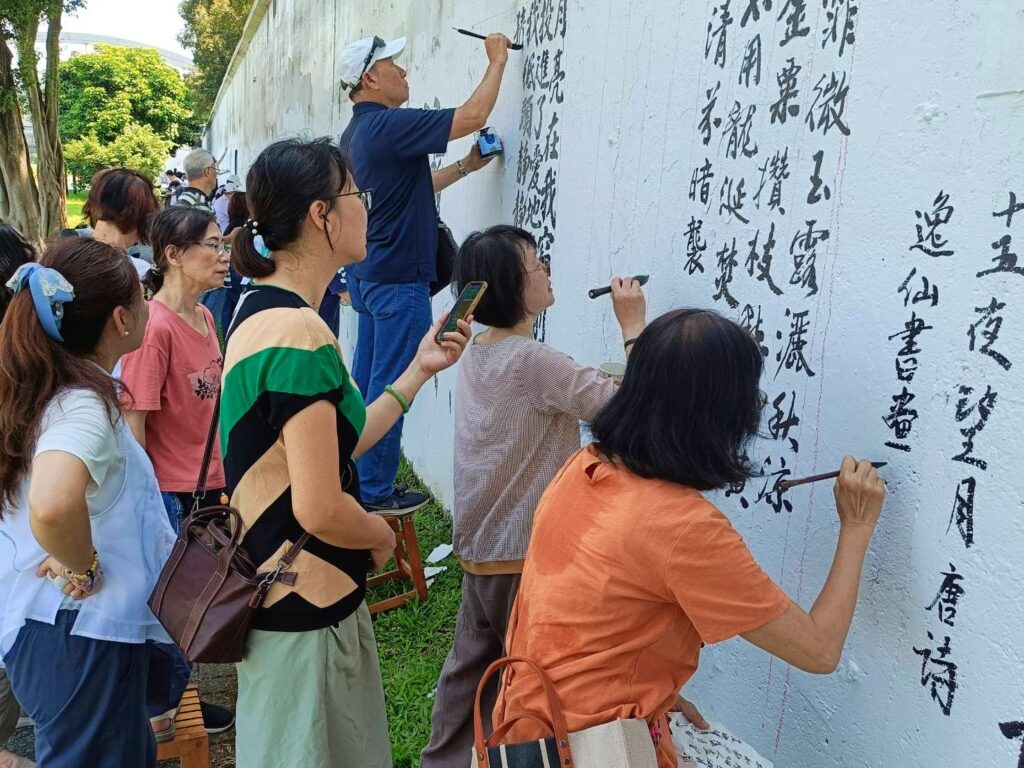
x=408 y=564
x=190 y=744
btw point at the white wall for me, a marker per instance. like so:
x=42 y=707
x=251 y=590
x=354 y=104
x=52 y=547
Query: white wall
x=934 y=105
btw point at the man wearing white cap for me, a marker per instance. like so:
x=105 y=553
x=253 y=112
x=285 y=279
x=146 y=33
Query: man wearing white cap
x=390 y=149
x=220 y=202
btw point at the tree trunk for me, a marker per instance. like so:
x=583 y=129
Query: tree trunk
x=43 y=102
x=20 y=197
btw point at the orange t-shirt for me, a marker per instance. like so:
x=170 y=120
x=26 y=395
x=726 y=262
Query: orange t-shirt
x=624 y=579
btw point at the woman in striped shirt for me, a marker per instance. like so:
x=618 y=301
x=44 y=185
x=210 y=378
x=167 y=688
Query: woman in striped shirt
x=309 y=687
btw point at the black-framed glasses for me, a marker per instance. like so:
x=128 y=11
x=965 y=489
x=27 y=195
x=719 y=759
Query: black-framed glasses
x=365 y=197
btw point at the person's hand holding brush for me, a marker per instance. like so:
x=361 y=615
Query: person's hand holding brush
x=630 y=307
x=859 y=493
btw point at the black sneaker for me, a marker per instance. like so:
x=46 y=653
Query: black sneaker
x=216 y=719
x=399 y=502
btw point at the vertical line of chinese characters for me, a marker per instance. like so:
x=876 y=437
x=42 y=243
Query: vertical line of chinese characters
x=974 y=399
x=541 y=29
x=762 y=197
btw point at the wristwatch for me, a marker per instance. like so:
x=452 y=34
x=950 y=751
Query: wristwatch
x=462 y=169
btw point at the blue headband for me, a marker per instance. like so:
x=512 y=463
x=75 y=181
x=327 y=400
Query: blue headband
x=50 y=292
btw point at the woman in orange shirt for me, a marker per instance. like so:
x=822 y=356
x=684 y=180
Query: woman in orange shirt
x=631 y=569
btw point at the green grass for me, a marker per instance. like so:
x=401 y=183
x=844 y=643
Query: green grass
x=414 y=640
x=75 y=202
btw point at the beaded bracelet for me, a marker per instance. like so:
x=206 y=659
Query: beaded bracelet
x=84 y=581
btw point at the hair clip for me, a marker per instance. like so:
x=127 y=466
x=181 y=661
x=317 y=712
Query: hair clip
x=50 y=292
x=261 y=246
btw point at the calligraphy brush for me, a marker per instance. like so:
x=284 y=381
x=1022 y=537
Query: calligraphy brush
x=514 y=46
x=785 y=485
x=595 y=292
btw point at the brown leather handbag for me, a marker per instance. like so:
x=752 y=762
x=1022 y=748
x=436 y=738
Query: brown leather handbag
x=209 y=588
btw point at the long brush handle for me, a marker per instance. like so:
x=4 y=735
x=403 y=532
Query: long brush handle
x=513 y=47
x=785 y=485
x=595 y=292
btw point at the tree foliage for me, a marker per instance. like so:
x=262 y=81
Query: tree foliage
x=138 y=147
x=105 y=93
x=212 y=30
x=34 y=198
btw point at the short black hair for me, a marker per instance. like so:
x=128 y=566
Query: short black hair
x=496 y=256
x=689 y=403
x=15 y=250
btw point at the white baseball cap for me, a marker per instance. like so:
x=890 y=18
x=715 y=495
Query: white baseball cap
x=231 y=183
x=359 y=56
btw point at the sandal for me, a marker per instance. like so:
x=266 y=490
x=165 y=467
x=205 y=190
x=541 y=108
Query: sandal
x=167 y=732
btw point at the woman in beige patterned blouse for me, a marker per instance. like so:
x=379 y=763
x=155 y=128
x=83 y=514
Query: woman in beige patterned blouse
x=518 y=410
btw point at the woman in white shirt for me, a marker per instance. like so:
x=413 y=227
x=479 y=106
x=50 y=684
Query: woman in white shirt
x=83 y=534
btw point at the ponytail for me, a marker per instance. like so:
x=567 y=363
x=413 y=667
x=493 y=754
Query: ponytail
x=247 y=256
x=286 y=179
x=34 y=367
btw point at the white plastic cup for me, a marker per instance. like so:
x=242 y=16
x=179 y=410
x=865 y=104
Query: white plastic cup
x=613 y=370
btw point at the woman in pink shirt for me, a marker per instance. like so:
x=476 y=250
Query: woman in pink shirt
x=172 y=381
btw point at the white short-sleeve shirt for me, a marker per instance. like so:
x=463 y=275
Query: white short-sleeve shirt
x=77 y=422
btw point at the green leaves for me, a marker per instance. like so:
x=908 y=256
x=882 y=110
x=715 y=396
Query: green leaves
x=137 y=146
x=106 y=92
x=212 y=30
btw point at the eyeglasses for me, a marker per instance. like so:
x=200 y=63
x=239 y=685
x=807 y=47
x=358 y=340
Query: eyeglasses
x=542 y=266
x=377 y=43
x=365 y=197
x=217 y=246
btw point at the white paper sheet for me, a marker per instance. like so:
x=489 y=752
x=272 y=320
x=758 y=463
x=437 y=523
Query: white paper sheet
x=441 y=551
x=714 y=748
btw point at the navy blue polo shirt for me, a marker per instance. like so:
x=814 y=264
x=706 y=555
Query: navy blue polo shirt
x=389 y=150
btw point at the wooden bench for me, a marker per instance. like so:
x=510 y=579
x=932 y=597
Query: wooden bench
x=408 y=564
x=190 y=744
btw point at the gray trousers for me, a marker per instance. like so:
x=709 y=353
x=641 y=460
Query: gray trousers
x=479 y=640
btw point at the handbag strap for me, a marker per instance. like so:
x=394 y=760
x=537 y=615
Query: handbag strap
x=204 y=470
x=278 y=574
x=293 y=552
x=557 y=719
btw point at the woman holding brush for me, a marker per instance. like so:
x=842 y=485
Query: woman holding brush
x=518 y=407
x=631 y=569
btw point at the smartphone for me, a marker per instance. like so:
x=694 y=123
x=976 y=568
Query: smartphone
x=463 y=308
x=489 y=143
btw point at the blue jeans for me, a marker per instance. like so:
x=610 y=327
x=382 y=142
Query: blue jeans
x=169 y=668
x=393 y=317
x=87 y=697
x=169 y=672
x=175 y=510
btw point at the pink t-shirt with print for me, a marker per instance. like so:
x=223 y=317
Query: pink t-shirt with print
x=175 y=375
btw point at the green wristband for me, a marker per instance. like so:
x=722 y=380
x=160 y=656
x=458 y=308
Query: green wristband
x=392 y=390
